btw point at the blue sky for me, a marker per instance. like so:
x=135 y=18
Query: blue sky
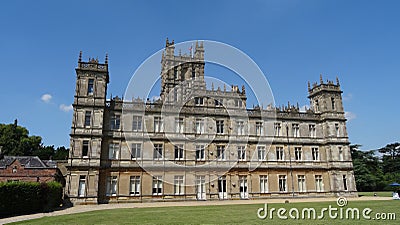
x=291 y=41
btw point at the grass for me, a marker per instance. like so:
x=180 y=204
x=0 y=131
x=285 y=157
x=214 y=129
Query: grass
x=378 y=193
x=225 y=214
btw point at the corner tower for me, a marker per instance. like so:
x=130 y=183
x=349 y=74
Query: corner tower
x=326 y=97
x=326 y=102
x=87 y=129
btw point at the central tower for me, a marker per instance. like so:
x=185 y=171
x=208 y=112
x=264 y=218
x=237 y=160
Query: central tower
x=181 y=73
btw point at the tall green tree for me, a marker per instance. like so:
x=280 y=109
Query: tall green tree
x=15 y=141
x=367 y=169
x=61 y=153
x=391 y=162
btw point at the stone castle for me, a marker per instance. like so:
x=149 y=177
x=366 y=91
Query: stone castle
x=199 y=144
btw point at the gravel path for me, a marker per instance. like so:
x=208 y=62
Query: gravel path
x=86 y=208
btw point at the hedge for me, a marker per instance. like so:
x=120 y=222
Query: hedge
x=29 y=197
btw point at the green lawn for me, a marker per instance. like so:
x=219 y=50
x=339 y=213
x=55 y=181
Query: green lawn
x=378 y=193
x=228 y=214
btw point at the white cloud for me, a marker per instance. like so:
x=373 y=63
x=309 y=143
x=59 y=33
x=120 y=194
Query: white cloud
x=46 y=98
x=66 y=108
x=350 y=116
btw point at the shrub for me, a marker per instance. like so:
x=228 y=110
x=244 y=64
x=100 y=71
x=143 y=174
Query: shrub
x=28 y=197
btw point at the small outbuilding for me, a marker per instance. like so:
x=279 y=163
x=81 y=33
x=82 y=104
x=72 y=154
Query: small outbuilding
x=29 y=168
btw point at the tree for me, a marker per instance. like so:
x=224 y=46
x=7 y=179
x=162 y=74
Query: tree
x=61 y=153
x=15 y=141
x=45 y=152
x=391 y=161
x=367 y=169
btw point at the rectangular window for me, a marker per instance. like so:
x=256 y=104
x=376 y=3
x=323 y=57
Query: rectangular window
x=178 y=185
x=85 y=148
x=218 y=102
x=137 y=123
x=313 y=133
x=113 y=151
x=201 y=187
x=340 y=154
x=298 y=153
x=134 y=185
x=282 y=183
x=112 y=182
x=296 y=130
x=315 y=154
x=264 y=184
x=82 y=186
x=136 y=151
x=241 y=150
x=158 y=151
x=199 y=126
x=193 y=72
x=220 y=126
x=280 y=154
x=158 y=125
x=238 y=103
x=157 y=185
x=240 y=127
x=220 y=152
x=261 y=153
x=200 y=152
x=175 y=73
x=179 y=152
x=90 y=87
x=198 y=101
x=259 y=129
x=88 y=115
x=179 y=125
x=277 y=129
x=115 y=122
x=345 y=183
x=333 y=103
x=319 y=186
x=301 y=183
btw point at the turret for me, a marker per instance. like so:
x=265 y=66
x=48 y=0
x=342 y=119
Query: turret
x=326 y=96
x=180 y=73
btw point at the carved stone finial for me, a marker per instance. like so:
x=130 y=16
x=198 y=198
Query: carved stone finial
x=212 y=86
x=166 y=43
x=320 y=79
x=243 y=89
x=80 y=56
x=106 y=60
x=197 y=44
x=337 y=81
x=309 y=86
x=173 y=42
x=224 y=87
